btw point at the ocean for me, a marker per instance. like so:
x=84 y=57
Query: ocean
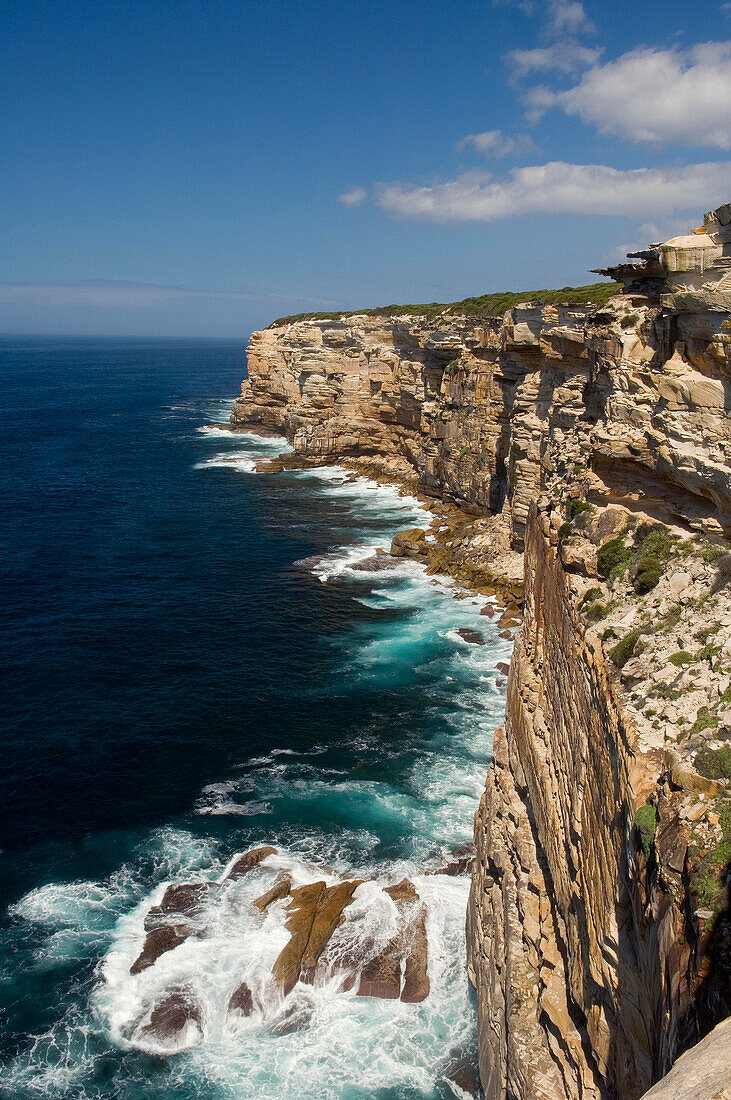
x=192 y=666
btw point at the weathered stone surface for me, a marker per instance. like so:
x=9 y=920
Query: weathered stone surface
x=315 y=911
x=702 y=1073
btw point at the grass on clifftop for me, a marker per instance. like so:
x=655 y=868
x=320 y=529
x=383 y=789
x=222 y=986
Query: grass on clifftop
x=487 y=305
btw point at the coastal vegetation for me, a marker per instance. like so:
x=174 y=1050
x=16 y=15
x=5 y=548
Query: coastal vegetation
x=483 y=305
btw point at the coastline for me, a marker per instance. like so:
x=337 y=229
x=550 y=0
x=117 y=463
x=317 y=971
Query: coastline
x=603 y=830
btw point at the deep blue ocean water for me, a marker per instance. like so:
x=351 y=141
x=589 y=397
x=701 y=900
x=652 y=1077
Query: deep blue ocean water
x=191 y=666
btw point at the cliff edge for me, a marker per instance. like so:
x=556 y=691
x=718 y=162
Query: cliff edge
x=595 y=442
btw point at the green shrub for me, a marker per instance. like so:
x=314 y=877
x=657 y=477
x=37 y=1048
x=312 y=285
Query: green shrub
x=564 y=531
x=590 y=595
x=681 y=658
x=613 y=557
x=708 y=873
x=575 y=506
x=624 y=648
x=646 y=822
x=714 y=763
x=655 y=547
x=704 y=721
x=707 y=632
x=670 y=619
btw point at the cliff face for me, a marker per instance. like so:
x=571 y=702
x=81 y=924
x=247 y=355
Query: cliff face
x=598 y=443
x=493 y=412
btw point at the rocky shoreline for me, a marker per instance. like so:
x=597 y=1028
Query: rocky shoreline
x=578 y=461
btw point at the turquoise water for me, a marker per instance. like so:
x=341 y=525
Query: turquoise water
x=196 y=667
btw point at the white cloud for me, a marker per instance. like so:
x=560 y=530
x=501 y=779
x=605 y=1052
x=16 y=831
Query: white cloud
x=560 y=188
x=568 y=17
x=494 y=143
x=355 y=196
x=653 y=95
x=563 y=57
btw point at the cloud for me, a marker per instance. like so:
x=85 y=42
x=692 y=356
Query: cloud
x=560 y=188
x=563 y=57
x=568 y=17
x=494 y=143
x=653 y=96
x=355 y=196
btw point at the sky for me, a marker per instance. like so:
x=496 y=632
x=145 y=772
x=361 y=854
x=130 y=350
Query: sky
x=199 y=168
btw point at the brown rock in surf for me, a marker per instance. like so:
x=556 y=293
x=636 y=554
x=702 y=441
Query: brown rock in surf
x=159 y=940
x=241 y=1000
x=249 y=860
x=171 y=1015
x=280 y=889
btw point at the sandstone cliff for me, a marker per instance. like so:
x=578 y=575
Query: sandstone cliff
x=597 y=443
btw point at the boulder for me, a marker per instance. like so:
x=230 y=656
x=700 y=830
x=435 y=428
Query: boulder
x=315 y=912
x=412 y=941
x=183 y=900
x=460 y=863
x=280 y=889
x=249 y=860
x=472 y=636
x=381 y=976
x=286 y=969
x=241 y=1001
x=159 y=940
x=409 y=543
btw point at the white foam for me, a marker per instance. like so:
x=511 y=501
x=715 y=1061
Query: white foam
x=245 y=463
x=345 y=1041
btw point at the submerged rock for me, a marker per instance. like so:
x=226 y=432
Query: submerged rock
x=472 y=636
x=176 y=1022
x=376 y=562
x=296 y=1017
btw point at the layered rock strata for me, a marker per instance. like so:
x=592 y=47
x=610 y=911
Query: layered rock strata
x=596 y=442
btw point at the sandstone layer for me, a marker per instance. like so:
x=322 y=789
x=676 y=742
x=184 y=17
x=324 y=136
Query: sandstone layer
x=596 y=443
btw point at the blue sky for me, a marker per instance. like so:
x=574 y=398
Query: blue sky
x=194 y=168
